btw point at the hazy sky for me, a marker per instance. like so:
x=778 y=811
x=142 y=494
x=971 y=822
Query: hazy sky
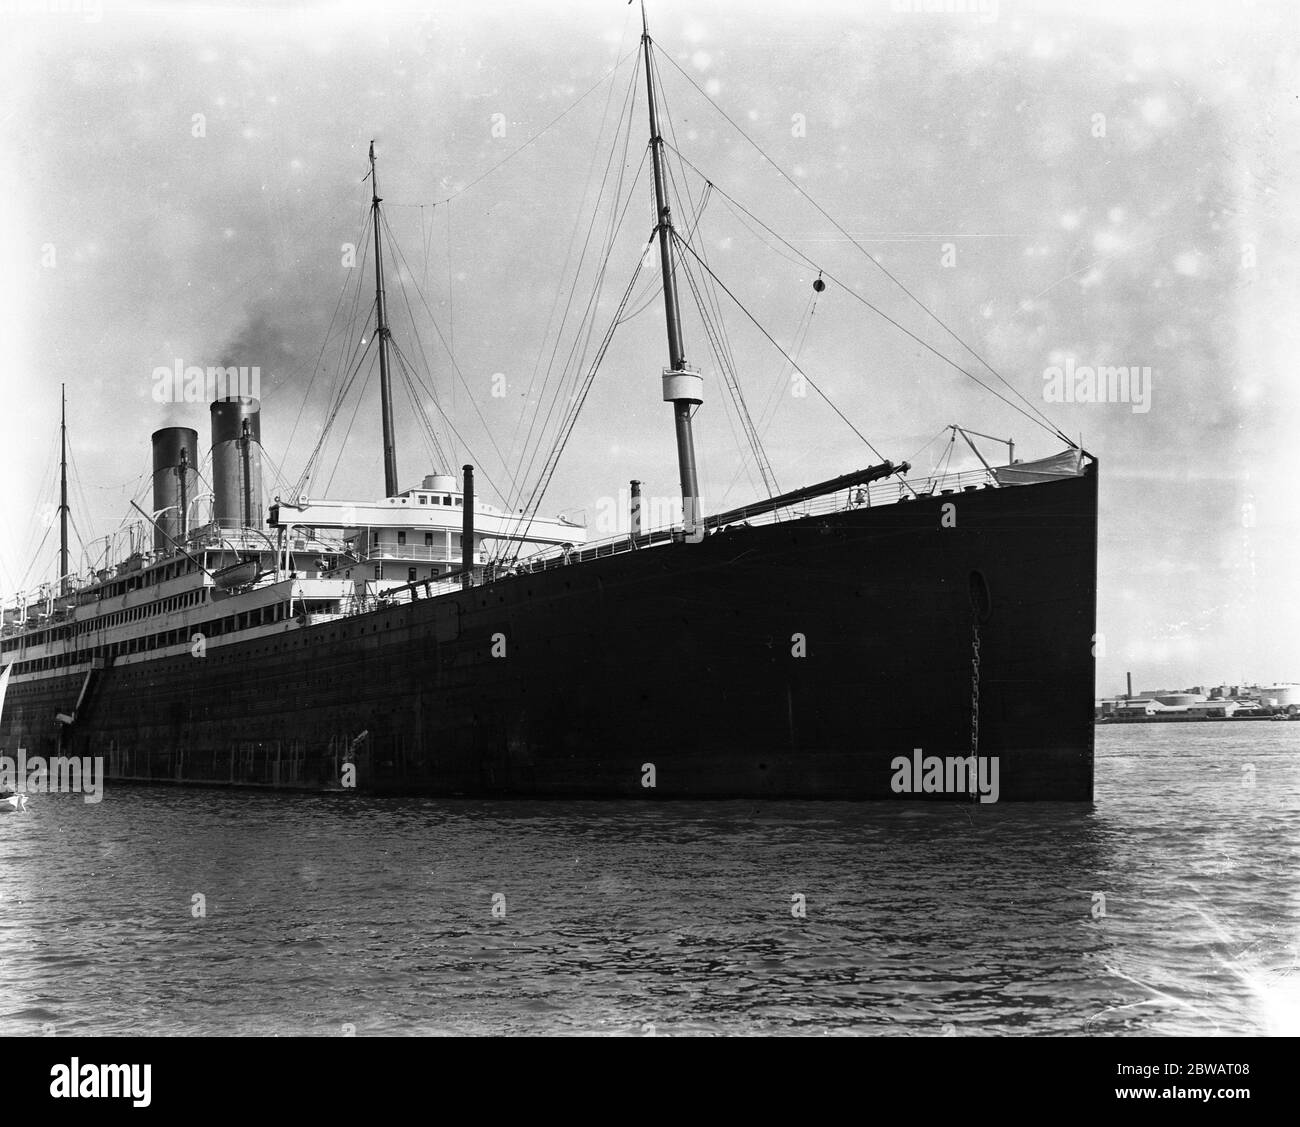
x=1101 y=183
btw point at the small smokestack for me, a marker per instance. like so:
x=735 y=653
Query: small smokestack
x=636 y=508
x=237 y=462
x=173 y=446
x=1130 y=686
x=467 y=529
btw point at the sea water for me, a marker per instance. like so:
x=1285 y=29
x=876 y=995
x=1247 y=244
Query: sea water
x=1167 y=906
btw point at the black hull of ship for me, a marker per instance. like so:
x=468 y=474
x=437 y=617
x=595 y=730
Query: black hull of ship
x=568 y=682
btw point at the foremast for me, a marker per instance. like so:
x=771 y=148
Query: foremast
x=63 y=489
x=683 y=388
x=381 y=333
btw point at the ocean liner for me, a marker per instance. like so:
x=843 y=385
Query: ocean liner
x=427 y=641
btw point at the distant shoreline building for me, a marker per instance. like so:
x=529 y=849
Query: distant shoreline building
x=1220 y=702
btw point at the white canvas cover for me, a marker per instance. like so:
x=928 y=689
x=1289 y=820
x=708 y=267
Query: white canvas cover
x=1069 y=463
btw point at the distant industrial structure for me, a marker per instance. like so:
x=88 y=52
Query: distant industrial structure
x=1217 y=702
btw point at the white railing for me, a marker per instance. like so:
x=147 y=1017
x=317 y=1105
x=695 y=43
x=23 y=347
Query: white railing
x=879 y=493
x=875 y=495
x=414 y=552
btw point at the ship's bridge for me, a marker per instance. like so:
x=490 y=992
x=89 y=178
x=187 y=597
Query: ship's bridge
x=418 y=534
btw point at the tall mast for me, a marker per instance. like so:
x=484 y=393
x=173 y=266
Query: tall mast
x=681 y=387
x=63 y=489
x=381 y=330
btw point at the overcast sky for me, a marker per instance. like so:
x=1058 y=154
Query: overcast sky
x=1099 y=183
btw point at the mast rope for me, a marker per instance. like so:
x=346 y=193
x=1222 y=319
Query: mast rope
x=802 y=329
x=1048 y=424
x=576 y=399
x=575 y=409
x=628 y=96
x=437 y=456
x=342 y=445
x=413 y=372
x=1045 y=421
x=306 y=396
x=650 y=292
x=782 y=351
x=767 y=413
x=536 y=136
x=446 y=344
x=922 y=449
x=309 y=469
x=733 y=388
x=570 y=368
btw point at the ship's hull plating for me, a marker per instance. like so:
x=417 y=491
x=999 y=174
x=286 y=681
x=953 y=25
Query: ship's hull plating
x=796 y=660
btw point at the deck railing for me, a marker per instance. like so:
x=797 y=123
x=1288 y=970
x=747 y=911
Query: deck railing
x=889 y=491
x=875 y=495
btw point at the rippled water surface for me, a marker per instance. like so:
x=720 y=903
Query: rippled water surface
x=328 y=911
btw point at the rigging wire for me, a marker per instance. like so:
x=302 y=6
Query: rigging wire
x=44 y=505
x=1043 y=418
x=445 y=461
x=541 y=133
x=81 y=543
x=534 y=436
x=451 y=356
x=22 y=586
x=413 y=372
x=628 y=96
x=653 y=288
x=711 y=331
x=343 y=289
x=544 y=480
x=767 y=413
x=430 y=438
x=575 y=399
x=782 y=351
x=343 y=445
x=309 y=469
x=279 y=479
x=922 y=449
x=707 y=194
x=802 y=327
x=880 y=312
x=879 y=265
x=715 y=330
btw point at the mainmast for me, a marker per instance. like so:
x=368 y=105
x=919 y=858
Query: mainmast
x=63 y=489
x=683 y=388
x=381 y=329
